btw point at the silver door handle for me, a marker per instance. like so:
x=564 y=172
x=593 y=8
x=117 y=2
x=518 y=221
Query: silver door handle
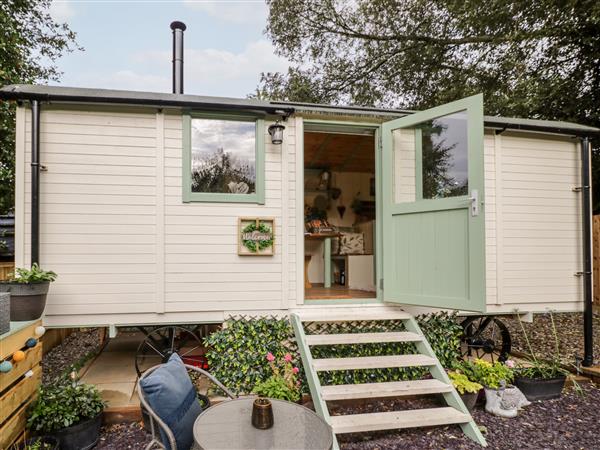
x=474 y=199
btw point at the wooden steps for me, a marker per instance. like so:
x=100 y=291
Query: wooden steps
x=362 y=338
x=373 y=362
x=355 y=316
x=411 y=418
x=388 y=389
x=454 y=413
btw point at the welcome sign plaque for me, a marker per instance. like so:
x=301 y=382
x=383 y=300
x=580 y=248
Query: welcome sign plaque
x=256 y=236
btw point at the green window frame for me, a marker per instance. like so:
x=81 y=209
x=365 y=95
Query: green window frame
x=258 y=196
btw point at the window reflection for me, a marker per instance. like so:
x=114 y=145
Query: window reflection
x=223 y=156
x=445 y=156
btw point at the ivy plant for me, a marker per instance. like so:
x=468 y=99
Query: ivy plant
x=236 y=352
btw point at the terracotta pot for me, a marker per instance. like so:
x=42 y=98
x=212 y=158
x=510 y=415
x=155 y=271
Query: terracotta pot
x=27 y=301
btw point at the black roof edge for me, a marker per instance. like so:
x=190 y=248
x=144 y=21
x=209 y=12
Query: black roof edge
x=159 y=100
x=19 y=95
x=542 y=128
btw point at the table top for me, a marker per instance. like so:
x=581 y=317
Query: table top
x=228 y=425
x=321 y=235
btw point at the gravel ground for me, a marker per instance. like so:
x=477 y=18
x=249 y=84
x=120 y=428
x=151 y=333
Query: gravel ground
x=73 y=350
x=570 y=335
x=123 y=436
x=567 y=423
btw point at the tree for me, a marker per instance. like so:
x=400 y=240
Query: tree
x=31 y=42
x=537 y=59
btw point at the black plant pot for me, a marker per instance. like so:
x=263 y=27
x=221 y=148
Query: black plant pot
x=27 y=301
x=48 y=443
x=470 y=399
x=81 y=436
x=540 y=388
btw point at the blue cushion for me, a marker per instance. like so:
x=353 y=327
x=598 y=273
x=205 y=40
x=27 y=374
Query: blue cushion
x=170 y=393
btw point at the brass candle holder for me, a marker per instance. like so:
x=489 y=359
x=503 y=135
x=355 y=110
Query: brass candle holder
x=262 y=413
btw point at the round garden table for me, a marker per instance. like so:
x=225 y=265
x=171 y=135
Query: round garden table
x=228 y=426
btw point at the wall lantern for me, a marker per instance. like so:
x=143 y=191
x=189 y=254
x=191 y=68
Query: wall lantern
x=276 y=132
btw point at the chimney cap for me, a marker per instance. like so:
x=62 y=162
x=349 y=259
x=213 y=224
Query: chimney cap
x=178 y=26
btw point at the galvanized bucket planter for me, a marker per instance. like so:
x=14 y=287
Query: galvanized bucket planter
x=27 y=301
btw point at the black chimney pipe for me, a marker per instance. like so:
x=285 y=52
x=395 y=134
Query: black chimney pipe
x=178 y=29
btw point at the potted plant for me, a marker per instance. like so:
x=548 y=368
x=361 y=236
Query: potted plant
x=283 y=384
x=69 y=411
x=538 y=379
x=39 y=443
x=467 y=389
x=28 y=289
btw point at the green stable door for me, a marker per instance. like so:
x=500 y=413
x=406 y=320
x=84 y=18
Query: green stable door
x=433 y=215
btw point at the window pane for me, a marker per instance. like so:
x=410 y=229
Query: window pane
x=223 y=156
x=445 y=156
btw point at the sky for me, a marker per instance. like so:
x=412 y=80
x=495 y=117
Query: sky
x=128 y=45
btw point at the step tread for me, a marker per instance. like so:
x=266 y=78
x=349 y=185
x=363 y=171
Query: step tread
x=386 y=389
x=354 y=316
x=362 y=338
x=372 y=362
x=412 y=418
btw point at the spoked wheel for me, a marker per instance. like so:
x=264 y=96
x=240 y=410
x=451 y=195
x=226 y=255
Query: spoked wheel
x=160 y=343
x=486 y=336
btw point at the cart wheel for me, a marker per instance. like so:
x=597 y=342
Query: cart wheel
x=160 y=343
x=486 y=335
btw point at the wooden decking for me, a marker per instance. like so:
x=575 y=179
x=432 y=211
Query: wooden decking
x=318 y=292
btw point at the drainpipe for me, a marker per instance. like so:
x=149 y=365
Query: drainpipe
x=586 y=206
x=35 y=181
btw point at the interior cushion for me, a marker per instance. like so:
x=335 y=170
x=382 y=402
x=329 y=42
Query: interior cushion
x=172 y=396
x=352 y=244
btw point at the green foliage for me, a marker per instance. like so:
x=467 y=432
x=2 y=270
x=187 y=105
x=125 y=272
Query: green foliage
x=283 y=384
x=236 y=353
x=276 y=387
x=538 y=368
x=491 y=375
x=463 y=384
x=253 y=246
x=64 y=404
x=529 y=59
x=30 y=43
x=33 y=275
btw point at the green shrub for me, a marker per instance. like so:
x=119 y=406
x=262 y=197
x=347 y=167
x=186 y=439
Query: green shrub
x=64 y=404
x=491 y=375
x=33 y=275
x=236 y=353
x=462 y=384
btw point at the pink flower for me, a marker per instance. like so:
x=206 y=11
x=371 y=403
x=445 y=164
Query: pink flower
x=510 y=363
x=270 y=357
x=295 y=370
x=287 y=357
